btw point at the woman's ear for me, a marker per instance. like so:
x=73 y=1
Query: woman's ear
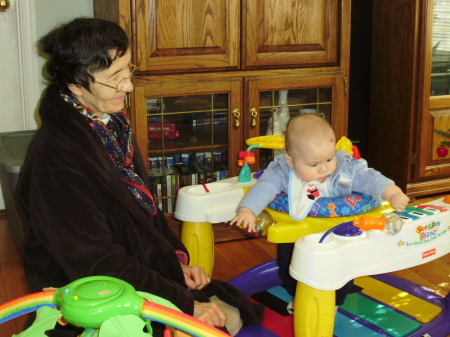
x=75 y=89
x=289 y=160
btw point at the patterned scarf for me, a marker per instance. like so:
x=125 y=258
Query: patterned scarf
x=117 y=138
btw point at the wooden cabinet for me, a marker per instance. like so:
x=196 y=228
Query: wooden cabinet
x=410 y=94
x=290 y=34
x=237 y=95
x=206 y=35
x=212 y=74
x=184 y=35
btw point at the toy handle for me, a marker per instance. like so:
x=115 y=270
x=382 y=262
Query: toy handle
x=149 y=310
x=390 y=223
x=366 y=223
x=26 y=304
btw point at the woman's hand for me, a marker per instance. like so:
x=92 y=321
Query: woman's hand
x=195 y=277
x=210 y=313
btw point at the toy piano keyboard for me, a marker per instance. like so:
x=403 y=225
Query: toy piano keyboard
x=385 y=305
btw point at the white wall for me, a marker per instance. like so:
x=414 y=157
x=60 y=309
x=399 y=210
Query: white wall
x=50 y=13
x=20 y=27
x=10 y=85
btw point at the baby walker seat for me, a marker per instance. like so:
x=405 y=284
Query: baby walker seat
x=386 y=306
x=218 y=203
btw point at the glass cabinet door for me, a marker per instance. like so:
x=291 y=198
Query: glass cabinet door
x=439 y=93
x=440 y=58
x=186 y=138
x=316 y=95
x=277 y=107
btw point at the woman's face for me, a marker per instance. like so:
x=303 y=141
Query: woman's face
x=102 y=98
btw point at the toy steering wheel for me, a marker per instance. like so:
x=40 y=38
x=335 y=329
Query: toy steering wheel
x=90 y=301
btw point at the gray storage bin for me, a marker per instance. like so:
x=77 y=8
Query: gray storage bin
x=13 y=148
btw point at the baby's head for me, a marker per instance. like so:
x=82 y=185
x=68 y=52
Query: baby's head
x=310 y=147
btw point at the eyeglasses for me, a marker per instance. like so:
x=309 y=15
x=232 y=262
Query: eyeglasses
x=132 y=69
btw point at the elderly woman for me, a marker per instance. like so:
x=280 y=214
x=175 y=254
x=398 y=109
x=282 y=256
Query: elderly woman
x=84 y=187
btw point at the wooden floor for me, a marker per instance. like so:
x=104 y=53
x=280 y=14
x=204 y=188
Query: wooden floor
x=231 y=259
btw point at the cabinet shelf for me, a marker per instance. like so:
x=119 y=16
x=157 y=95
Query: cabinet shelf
x=188 y=149
x=192 y=138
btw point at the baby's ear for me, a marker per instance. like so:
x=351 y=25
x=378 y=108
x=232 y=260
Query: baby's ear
x=289 y=160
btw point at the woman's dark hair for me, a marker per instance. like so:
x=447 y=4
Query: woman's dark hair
x=80 y=47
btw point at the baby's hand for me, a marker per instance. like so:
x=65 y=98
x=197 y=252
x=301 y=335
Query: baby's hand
x=399 y=201
x=246 y=218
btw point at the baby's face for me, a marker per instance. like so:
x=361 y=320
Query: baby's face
x=314 y=159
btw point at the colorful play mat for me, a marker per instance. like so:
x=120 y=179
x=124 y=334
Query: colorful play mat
x=382 y=305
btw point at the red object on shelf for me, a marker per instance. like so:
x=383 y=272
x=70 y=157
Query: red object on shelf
x=442 y=151
x=170 y=130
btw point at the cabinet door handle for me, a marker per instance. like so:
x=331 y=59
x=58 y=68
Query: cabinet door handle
x=237 y=114
x=253 y=113
x=4 y=5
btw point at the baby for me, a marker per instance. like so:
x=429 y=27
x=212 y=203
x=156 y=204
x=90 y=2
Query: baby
x=313 y=168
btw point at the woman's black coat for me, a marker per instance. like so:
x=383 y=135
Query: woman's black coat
x=83 y=221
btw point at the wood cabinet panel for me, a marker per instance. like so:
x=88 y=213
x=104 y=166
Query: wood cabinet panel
x=175 y=36
x=187 y=35
x=118 y=11
x=392 y=106
x=291 y=33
